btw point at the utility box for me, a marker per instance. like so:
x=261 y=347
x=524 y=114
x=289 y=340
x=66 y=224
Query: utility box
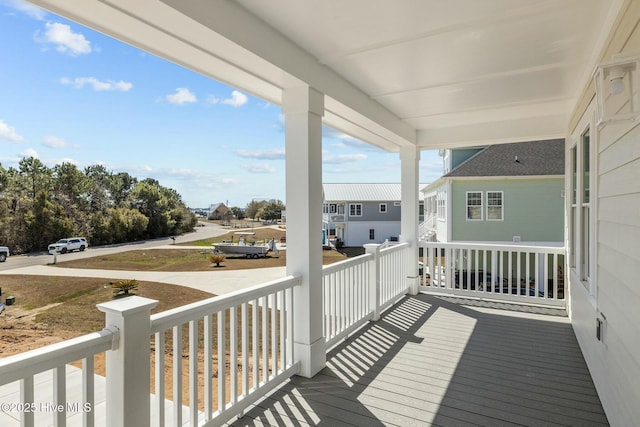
x=10 y=300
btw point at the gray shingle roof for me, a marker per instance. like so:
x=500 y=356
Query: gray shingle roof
x=533 y=158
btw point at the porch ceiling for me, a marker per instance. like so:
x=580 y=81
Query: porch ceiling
x=425 y=72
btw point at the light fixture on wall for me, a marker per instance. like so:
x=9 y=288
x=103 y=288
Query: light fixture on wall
x=616 y=83
x=617 y=89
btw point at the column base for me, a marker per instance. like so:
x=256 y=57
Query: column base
x=312 y=357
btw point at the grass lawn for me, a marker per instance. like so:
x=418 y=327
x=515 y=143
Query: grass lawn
x=184 y=260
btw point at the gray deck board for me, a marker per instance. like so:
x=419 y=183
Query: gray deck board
x=443 y=362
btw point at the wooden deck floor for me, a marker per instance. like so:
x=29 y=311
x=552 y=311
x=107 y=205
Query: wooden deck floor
x=435 y=361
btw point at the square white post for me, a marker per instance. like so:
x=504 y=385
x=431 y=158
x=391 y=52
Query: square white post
x=129 y=365
x=303 y=108
x=409 y=163
x=374 y=280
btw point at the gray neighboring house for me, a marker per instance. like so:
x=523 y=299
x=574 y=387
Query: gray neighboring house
x=359 y=213
x=500 y=193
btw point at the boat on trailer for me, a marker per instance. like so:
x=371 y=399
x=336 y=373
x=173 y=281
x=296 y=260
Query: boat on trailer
x=241 y=247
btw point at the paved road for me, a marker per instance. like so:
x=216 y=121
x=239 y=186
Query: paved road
x=43 y=258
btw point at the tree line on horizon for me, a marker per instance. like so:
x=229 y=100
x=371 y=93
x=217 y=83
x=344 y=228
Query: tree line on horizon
x=267 y=210
x=40 y=205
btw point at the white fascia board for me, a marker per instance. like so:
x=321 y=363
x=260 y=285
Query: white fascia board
x=434 y=185
x=490 y=133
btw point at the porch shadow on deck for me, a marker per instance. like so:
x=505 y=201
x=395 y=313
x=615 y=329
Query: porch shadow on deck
x=433 y=361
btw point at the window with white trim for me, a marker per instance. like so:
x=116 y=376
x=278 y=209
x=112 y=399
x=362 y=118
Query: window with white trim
x=585 y=234
x=372 y=234
x=355 y=209
x=580 y=215
x=573 y=223
x=474 y=205
x=441 y=207
x=383 y=208
x=495 y=205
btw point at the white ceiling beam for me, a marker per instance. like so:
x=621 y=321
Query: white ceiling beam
x=237 y=25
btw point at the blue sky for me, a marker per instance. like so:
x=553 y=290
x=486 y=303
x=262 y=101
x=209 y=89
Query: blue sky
x=68 y=93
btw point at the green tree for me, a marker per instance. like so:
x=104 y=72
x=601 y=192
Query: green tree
x=237 y=212
x=272 y=210
x=37 y=177
x=252 y=209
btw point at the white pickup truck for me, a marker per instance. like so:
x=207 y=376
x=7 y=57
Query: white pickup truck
x=63 y=246
x=4 y=253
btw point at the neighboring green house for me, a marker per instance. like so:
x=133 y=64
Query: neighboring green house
x=500 y=193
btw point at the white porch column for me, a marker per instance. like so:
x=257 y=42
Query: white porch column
x=409 y=161
x=303 y=108
x=129 y=366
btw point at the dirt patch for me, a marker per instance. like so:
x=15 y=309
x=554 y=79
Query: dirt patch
x=50 y=309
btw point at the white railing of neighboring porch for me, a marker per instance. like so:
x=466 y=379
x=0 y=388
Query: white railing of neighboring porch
x=518 y=273
x=358 y=289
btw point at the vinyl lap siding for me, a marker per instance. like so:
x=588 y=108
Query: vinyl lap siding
x=619 y=265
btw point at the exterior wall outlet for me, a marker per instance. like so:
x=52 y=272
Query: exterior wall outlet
x=516 y=238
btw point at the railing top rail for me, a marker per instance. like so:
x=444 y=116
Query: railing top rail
x=394 y=248
x=180 y=315
x=494 y=246
x=13 y=368
x=340 y=265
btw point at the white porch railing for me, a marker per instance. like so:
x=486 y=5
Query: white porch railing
x=51 y=403
x=346 y=300
x=254 y=345
x=532 y=274
x=208 y=361
x=358 y=289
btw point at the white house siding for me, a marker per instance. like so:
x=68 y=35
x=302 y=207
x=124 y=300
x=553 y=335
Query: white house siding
x=357 y=233
x=615 y=362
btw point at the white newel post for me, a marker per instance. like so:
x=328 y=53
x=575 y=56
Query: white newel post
x=409 y=162
x=129 y=365
x=374 y=279
x=303 y=108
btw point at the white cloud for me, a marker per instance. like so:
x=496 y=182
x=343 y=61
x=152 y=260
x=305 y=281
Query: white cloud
x=97 y=85
x=9 y=133
x=343 y=158
x=212 y=99
x=29 y=152
x=238 y=99
x=275 y=154
x=55 y=142
x=26 y=8
x=182 y=96
x=259 y=168
x=65 y=40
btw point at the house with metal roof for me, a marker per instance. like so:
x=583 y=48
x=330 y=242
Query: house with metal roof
x=359 y=213
x=507 y=192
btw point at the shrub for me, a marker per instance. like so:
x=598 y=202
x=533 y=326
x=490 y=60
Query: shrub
x=123 y=287
x=216 y=259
